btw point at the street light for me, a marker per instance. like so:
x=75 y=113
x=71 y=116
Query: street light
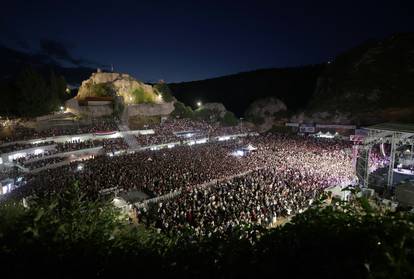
x=199 y=104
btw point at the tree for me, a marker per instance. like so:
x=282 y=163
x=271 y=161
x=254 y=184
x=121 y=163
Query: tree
x=55 y=92
x=101 y=90
x=71 y=232
x=32 y=99
x=165 y=91
x=59 y=86
x=182 y=111
x=230 y=119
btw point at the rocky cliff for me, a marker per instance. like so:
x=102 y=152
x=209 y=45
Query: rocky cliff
x=373 y=82
x=370 y=83
x=117 y=84
x=267 y=112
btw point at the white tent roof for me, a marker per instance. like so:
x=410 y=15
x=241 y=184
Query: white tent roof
x=250 y=147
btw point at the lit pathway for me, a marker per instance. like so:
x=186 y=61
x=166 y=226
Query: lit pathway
x=129 y=138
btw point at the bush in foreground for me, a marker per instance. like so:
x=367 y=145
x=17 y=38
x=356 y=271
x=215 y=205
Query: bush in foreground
x=66 y=235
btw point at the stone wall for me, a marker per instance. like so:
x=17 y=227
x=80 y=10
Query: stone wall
x=91 y=111
x=130 y=110
x=150 y=109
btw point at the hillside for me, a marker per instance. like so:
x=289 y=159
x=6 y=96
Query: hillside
x=372 y=82
x=294 y=86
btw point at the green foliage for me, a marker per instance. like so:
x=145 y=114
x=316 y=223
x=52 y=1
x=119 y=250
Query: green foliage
x=207 y=114
x=101 y=90
x=165 y=91
x=229 y=119
x=204 y=114
x=142 y=97
x=182 y=111
x=68 y=234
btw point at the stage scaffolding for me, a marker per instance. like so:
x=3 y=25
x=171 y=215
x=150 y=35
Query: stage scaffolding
x=392 y=133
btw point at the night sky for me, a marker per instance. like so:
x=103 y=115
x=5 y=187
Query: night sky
x=191 y=40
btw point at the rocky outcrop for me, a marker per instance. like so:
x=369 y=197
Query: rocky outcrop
x=125 y=103
x=120 y=85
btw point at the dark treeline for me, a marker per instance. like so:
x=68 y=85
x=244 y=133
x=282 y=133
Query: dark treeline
x=32 y=93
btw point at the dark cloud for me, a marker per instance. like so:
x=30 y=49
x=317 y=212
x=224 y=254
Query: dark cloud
x=57 y=50
x=62 y=51
x=10 y=36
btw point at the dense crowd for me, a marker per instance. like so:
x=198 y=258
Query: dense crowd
x=172 y=130
x=32 y=156
x=282 y=176
x=21 y=146
x=20 y=132
x=293 y=172
x=6 y=173
x=258 y=198
x=113 y=144
x=42 y=163
x=30 y=160
x=286 y=173
x=156 y=172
